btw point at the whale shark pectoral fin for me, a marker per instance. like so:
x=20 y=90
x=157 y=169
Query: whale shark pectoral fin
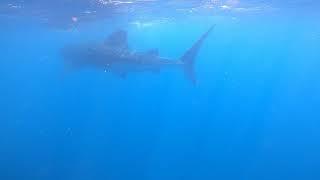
x=117 y=39
x=153 y=52
x=121 y=74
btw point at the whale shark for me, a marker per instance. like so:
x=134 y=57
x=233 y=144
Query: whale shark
x=115 y=56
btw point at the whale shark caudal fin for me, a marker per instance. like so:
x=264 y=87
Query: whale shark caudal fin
x=188 y=59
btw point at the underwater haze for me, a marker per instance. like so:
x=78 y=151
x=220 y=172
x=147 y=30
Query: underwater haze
x=251 y=113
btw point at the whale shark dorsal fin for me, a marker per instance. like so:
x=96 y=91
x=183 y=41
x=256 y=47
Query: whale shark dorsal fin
x=153 y=52
x=117 y=39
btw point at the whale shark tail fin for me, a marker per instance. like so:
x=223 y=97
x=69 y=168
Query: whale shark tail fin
x=188 y=58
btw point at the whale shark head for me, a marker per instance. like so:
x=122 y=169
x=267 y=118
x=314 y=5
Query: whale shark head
x=89 y=53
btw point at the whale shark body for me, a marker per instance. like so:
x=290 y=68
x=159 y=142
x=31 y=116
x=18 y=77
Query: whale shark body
x=113 y=55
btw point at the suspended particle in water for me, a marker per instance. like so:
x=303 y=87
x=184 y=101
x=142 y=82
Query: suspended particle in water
x=74 y=19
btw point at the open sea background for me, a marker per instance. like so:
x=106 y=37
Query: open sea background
x=254 y=113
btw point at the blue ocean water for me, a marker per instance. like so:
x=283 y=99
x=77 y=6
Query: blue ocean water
x=253 y=114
